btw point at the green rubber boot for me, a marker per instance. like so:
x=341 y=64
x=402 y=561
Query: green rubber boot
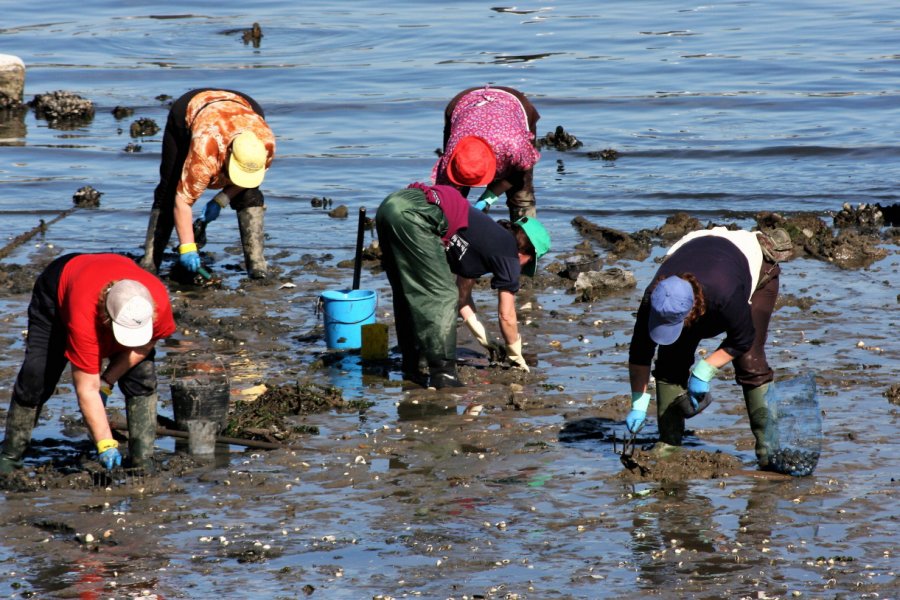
x=250 y=222
x=669 y=416
x=141 y=412
x=758 y=411
x=19 y=424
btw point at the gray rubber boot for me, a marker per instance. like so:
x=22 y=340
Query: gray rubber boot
x=250 y=221
x=669 y=416
x=147 y=262
x=758 y=411
x=20 y=422
x=141 y=413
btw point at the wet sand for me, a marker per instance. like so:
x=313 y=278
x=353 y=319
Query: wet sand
x=509 y=488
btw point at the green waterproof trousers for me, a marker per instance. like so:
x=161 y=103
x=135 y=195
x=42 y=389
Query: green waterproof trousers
x=424 y=289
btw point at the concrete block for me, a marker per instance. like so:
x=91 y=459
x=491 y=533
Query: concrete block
x=12 y=77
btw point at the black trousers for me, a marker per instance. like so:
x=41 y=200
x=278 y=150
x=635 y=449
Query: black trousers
x=46 y=344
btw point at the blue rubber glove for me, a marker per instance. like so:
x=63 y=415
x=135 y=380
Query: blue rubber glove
x=212 y=211
x=638 y=415
x=189 y=257
x=485 y=201
x=698 y=382
x=108 y=454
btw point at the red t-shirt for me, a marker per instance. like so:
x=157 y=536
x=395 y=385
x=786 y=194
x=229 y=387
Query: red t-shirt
x=81 y=282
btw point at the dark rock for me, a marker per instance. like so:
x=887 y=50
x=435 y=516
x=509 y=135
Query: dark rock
x=864 y=216
x=677 y=226
x=607 y=154
x=144 y=127
x=122 y=112
x=253 y=35
x=340 y=212
x=619 y=242
x=559 y=139
x=893 y=394
x=87 y=197
x=62 y=109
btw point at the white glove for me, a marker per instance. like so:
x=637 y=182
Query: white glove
x=514 y=354
x=478 y=330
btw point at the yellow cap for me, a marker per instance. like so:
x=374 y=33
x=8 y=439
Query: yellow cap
x=247 y=165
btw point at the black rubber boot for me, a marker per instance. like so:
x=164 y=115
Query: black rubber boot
x=443 y=375
x=250 y=221
x=517 y=212
x=141 y=412
x=150 y=261
x=20 y=421
x=669 y=416
x=758 y=412
x=413 y=367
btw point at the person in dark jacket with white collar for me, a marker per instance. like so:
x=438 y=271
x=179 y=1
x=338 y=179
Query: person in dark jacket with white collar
x=711 y=282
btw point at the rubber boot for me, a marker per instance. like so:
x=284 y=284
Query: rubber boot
x=669 y=416
x=148 y=262
x=250 y=221
x=758 y=411
x=517 y=212
x=20 y=422
x=443 y=375
x=141 y=413
x=413 y=366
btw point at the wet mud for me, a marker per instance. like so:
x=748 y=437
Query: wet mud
x=512 y=487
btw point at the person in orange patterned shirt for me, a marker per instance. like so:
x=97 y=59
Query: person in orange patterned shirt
x=214 y=139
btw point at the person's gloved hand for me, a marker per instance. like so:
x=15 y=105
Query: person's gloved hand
x=698 y=382
x=638 y=415
x=108 y=451
x=214 y=207
x=189 y=257
x=514 y=355
x=478 y=330
x=486 y=200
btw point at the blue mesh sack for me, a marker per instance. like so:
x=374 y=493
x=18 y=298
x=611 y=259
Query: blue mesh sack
x=794 y=431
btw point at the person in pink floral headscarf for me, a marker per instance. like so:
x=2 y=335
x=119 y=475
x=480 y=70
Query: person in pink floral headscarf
x=507 y=121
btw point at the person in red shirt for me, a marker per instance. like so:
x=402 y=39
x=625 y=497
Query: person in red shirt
x=103 y=314
x=214 y=139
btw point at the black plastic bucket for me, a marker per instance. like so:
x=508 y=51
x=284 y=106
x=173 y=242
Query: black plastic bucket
x=200 y=391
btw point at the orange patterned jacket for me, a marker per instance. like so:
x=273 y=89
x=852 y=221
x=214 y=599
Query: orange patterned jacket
x=215 y=117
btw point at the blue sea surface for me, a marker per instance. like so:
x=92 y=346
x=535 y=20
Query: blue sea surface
x=719 y=109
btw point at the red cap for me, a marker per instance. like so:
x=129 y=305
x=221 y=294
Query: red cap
x=472 y=163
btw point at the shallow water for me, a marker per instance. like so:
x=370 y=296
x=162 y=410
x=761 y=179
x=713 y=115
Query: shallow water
x=721 y=110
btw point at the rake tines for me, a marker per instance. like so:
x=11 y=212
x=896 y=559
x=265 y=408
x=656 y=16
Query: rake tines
x=119 y=477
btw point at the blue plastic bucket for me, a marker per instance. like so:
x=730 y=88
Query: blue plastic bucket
x=346 y=311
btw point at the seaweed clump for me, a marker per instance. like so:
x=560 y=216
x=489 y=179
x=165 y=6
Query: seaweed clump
x=268 y=416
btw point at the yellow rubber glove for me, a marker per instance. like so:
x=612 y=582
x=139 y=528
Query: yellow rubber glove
x=514 y=354
x=108 y=454
x=478 y=330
